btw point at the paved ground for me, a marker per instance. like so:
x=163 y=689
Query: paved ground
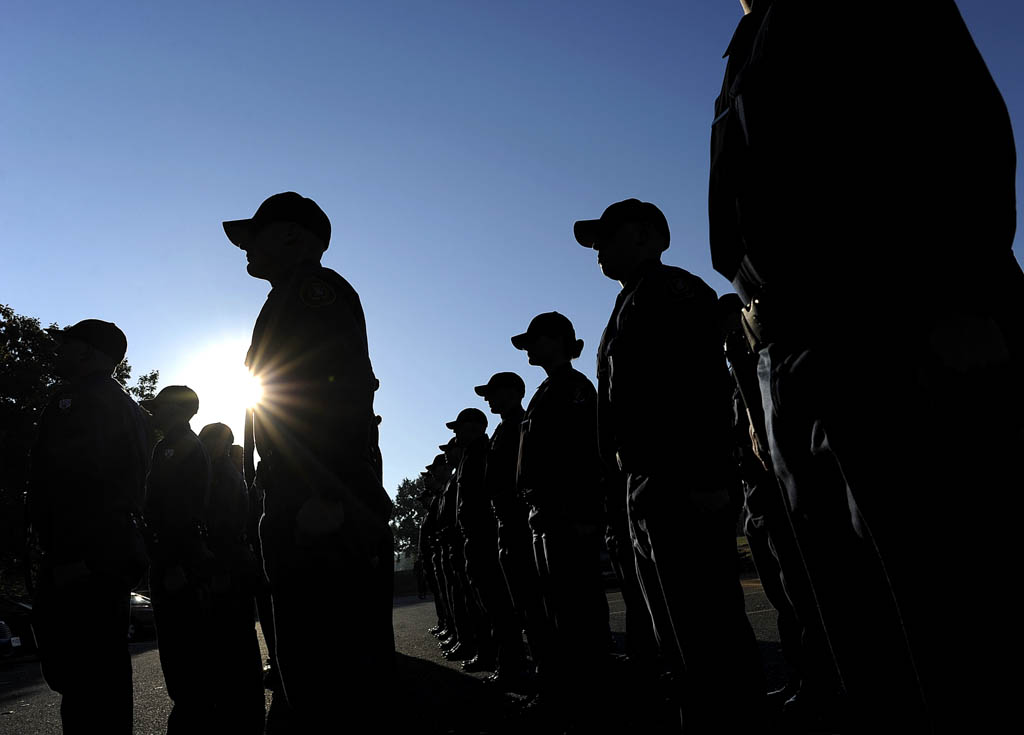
x=431 y=692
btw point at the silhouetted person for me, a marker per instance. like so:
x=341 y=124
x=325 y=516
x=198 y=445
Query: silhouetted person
x=181 y=563
x=500 y=636
x=325 y=522
x=663 y=412
x=504 y=394
x=460 y=645
x=875 y=261
x=236 y=575
x=429 y=499
x=559 y=475
x=438 y=474
x=84 y=502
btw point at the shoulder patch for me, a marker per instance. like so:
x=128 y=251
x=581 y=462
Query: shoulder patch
x=579 y=396
x=168 y=453
x=64 y=404
x=679 y=288
x=316 y=292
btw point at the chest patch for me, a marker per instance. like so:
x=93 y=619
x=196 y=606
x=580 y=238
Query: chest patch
x=64 y=404
x=317 y=293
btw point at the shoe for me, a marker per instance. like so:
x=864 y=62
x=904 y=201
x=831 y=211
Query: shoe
x=461 y=652
x=478 y=663
x=518 y=683
x=448 y=643
x=435 y=630
x=777 y=699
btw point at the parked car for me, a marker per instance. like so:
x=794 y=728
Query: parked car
x=140 y=619
x=16 y=634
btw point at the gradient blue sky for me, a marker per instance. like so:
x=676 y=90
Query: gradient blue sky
x=451 y=143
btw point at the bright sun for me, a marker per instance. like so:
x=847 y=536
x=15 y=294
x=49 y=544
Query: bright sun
x=217 y=373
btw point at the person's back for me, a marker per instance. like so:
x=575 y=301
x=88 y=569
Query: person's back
x=861 y=154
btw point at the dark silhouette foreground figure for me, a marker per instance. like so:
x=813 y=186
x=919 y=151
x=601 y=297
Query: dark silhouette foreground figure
x=181 y=565
x=663 y=412
x=325 y=521
x=85 y=499
x=873 y=256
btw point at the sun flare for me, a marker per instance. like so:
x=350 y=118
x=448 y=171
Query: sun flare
x=225 y=386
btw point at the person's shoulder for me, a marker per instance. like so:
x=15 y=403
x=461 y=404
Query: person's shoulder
x=578 y=387
x=667 y=284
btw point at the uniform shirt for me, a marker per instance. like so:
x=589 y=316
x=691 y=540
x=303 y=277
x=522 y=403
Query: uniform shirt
x=88 y=473
x=176 y=495
x=473 y=508
x=664 y=388
x=859 y=157
x=559 y=471
x=501 y=469
x=446 y=505
x=227 y=513
x=315 y=425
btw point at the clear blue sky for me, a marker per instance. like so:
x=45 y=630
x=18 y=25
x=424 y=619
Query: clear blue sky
x=451 y=143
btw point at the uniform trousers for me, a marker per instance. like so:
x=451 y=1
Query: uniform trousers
x=332 y=614
x=454 y=563
x=783 y=576
x=437 y=564
x=82 y=632
x=186 y=639
x=515 y=555
x=240 y=705
x=687 y=561
x=900 y=435
x=568 y=559
x=483 y=572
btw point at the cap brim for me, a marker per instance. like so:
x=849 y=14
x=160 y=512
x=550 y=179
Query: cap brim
x=238 y=231
x=148 y=404
x=480 y=390
x=587 y=232
x=522 y=341
x=452 y=424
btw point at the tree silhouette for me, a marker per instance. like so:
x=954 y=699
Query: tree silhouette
x=407 y=516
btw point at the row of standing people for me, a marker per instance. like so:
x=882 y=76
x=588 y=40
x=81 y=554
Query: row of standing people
x=643 y=465
x=107 y=507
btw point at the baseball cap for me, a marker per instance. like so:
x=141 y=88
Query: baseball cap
x=439 y=461
x=589 y=231
x=469 y=416
x=98 y=334
x=285 y=207
x=502 y=380
x=449 y=446
x=549 y=324
x=178 y=395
